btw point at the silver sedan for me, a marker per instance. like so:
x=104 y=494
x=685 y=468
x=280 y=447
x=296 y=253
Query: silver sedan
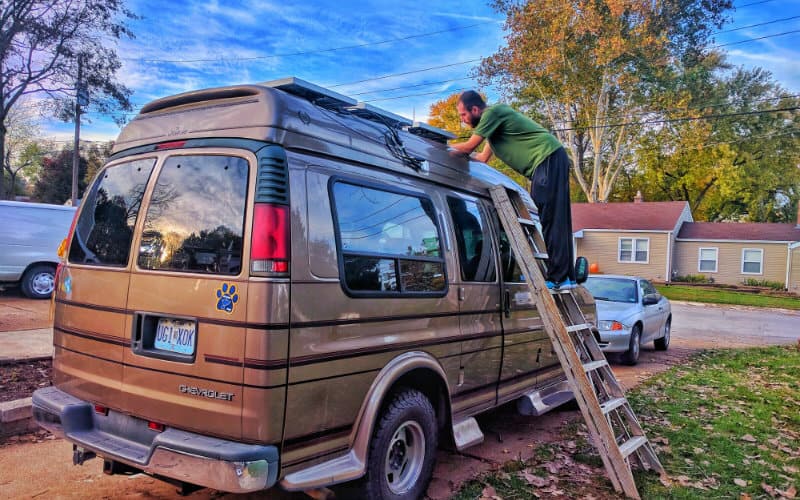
x=630 y=312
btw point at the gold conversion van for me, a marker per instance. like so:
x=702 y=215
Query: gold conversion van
x=277 y=285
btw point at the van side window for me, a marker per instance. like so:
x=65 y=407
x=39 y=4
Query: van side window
x=195 y=216
x=104 y=229
x=477 y=261
x=388 y=242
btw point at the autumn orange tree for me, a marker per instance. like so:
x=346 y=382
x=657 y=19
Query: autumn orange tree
x=590 y=69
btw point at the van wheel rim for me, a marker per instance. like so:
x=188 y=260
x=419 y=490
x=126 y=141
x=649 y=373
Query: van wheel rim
x=42 y=283
x=405 y=457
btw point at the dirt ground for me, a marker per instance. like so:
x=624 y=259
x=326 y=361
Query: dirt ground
x=21 y=313
x=508 y=436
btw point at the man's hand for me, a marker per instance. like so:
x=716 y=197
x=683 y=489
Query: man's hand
x=468 y=147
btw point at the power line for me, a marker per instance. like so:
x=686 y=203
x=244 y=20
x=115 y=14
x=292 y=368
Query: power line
x=755 y=39
x=404 y=73
x=752 y=3
x=316 y=51
x=416 y=95
x=410 y=86
x=683 y=119
x=759 y=24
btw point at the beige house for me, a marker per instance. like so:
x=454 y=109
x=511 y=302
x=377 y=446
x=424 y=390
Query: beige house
x=635 y=238
x=660 y=240
x=735 y=252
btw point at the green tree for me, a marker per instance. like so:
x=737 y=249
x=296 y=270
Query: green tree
x=740 y=162
x=46 y=44
x=54 y=184
x=588 y=68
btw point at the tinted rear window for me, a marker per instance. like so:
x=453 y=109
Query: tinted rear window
x=104 y=230
x=195 y=217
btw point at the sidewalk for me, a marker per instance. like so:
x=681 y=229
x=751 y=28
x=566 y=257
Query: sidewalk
x=26 y=344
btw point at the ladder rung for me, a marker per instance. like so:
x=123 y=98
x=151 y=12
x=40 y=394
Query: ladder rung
x=576 y=328
x=632 y=445
x=526 y=222
x=594 y=365
x=611 y=405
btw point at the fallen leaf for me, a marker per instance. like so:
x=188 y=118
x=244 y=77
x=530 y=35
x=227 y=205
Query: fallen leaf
x=745 y=496
x=790 y=493
x=749 y=438
x=533 y=479
x=740 y=482
x=790 y=469
x=769 y=489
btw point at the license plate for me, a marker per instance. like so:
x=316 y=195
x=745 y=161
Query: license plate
x=175 y=335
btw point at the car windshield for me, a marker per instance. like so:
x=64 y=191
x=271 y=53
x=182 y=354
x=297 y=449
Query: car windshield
x=612 y=289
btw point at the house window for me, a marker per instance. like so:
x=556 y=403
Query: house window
x=707 y=262
x=752 y=259
x=634 y=250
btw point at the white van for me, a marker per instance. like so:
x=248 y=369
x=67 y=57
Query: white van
x=29 y=237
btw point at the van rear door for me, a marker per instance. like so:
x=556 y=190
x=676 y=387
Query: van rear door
x=90 y=330
x=188 y=294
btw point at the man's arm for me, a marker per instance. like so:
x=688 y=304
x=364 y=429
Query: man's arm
x=485 y=154
x=469 y=146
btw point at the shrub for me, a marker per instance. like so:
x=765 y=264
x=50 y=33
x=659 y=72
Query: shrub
x=774 y=285
x=693 y=278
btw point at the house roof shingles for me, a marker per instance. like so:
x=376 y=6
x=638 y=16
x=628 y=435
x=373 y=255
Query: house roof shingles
x=631 y=216
x=745 y=231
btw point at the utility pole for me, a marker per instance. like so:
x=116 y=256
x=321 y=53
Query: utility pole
x=81 y=99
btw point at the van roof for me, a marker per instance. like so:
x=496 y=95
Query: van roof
x=304 y=117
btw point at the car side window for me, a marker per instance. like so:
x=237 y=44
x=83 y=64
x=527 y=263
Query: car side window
x=389 y=242
x=474 y=248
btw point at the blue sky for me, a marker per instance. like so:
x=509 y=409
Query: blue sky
x=185 y=45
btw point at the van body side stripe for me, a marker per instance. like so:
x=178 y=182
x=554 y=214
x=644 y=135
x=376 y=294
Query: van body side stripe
x=99 y=337
x=285 y=326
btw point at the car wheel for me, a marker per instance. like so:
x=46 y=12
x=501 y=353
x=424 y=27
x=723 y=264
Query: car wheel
x=38 y=282
x=631 y=356
x=402 y=451
x=663 y=343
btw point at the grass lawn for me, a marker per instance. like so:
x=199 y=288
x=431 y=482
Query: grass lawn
x=725 y=425
x=722 y=296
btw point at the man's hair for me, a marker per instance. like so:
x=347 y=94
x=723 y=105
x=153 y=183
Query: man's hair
x=471 y=98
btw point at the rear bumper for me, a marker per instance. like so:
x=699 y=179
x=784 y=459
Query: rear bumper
x=185 y=456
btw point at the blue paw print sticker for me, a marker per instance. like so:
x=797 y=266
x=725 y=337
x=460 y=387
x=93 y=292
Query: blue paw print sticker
x=227 y=298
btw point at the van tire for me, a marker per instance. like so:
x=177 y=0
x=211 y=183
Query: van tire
x=399 y=466
x=38 y=281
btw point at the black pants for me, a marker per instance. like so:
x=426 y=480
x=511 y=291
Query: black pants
x=550 y=192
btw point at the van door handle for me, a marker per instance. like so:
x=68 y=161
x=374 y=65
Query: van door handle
x=507 y=304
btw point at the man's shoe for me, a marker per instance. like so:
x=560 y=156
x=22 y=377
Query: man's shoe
x=567 y=283
x=550 y=285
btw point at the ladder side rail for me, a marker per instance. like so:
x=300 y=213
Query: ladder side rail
x=602 y=434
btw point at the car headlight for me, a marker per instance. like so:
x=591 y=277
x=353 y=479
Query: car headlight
x=610 y=325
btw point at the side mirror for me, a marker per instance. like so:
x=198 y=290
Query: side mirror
x=650 y=299
x=581 y=269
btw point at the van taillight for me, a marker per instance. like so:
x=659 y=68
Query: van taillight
x=269 y=251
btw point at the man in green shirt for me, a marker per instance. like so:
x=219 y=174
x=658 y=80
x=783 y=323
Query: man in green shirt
x=531 y=150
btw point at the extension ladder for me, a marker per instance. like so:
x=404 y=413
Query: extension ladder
x=616 y=432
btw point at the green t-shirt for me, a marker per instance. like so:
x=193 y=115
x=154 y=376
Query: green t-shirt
x=516 y=139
